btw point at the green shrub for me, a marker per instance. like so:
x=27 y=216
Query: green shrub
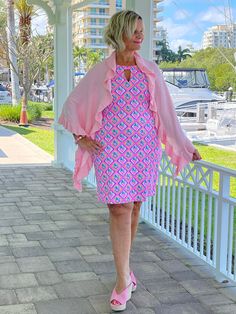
x=12 y=113
x=43 y=105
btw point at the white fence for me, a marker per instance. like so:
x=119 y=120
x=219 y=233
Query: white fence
x=196 y=209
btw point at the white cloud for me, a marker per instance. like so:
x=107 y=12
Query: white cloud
x=182 y=15
x=213 y=14
x=39 y=22
x=178 y=30
x=174 y=44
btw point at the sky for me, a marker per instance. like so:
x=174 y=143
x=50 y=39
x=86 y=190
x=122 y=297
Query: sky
x=186 y=20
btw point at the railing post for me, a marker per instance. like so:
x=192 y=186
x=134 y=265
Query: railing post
x=222 y=224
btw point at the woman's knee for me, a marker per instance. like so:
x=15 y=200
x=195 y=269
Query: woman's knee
x=120 y=209
x=136 y=208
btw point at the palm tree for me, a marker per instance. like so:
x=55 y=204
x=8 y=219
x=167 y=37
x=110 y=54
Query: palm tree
x=183 y=54
x=15 y=89
x=85 y=58
x=164 y=53
x=25 y=12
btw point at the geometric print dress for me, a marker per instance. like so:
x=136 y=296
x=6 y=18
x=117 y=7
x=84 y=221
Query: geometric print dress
x=126 y=168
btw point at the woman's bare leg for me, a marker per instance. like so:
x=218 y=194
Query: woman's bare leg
x=120 y=233
x=135 y=220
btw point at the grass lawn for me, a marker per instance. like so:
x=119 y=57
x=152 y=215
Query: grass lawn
x=40 y=137
x=48 y=114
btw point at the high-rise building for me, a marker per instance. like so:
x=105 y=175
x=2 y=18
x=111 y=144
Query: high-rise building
x=88 y=24
x=220 y=36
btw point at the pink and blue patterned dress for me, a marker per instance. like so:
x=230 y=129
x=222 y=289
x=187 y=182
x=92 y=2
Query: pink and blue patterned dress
x=127 y=168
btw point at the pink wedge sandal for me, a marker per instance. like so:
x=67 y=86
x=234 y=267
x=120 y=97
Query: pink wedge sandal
x=134 y=281
x=118 y=301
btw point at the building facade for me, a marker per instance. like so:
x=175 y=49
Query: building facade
x=88 y=25
x=220 y=36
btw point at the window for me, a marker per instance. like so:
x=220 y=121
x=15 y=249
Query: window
x=102 y=11
x=93 y=41
x=93 y=21
x=102 y=21
x=93 y=11
x=93 y=31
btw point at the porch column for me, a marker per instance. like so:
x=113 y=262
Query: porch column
x=63 y=75
x=145 y=9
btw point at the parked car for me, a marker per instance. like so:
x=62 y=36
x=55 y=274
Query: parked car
x=5 y=96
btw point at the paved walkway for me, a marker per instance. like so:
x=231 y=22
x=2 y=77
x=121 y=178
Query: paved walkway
x=15 y=149
x=55 y=255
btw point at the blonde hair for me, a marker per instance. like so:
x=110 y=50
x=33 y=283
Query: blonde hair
x=121 y=23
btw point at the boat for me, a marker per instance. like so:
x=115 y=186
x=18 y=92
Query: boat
x=189 y=87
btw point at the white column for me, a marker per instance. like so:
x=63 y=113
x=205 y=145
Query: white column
x=145 y=9
x=63 y=75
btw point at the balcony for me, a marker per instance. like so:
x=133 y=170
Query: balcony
x=56 y=241
x=196 y=210
x=96 y=45
x=83 y=15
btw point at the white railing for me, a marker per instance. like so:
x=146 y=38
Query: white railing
x=197 y=210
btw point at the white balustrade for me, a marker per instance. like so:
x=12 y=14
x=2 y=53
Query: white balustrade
x=197 y=210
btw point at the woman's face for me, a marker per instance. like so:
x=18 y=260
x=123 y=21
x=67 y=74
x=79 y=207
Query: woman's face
x=134 y=43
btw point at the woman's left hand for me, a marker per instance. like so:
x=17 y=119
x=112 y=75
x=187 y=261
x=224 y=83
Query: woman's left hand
x=196 y=155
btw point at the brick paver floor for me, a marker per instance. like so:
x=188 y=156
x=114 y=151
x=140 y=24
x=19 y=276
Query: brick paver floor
x=55 y=255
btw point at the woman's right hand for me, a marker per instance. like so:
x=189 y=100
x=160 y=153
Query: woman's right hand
x=92 y=146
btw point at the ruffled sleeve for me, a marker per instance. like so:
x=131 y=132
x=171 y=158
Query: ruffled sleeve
x=177 y=146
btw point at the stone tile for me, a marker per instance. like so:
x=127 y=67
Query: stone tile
x=26 y=228
x=68 y=224
x=73 y=233
x=50 y=277
x=7 y=297
x=80 y=289
x=163 y=286
x=172 y=266
x=184 y=275
x=65 y=306
x=9 y=268
x=35 y=294
x=214 y=299
x=100 y=303
x=6 y=230
x=28 y=251
x=204 y=271
x=164 y=254
x=149 y=270
x=229 y=292
x=144 y=256
x=18 y=309
x=57 y=243
x=34 y=264
x=188 y=308
x=104 y=267
x=41 y=235
x=72 y=266
x=100 y=258
x=79 y=276
x=48 y=226
x=197 y=287
x=143 y=298
x=175 y=297
x=63 y=254
x=4 y=250
x=224 y=309
x=17 y=281
x=88 y=250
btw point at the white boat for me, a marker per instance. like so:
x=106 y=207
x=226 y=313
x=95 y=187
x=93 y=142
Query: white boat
x=189 y=87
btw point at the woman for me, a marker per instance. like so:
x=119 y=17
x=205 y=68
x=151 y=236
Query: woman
x=119 y=114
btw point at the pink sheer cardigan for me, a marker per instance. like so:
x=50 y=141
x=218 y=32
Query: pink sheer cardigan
x=82 y=113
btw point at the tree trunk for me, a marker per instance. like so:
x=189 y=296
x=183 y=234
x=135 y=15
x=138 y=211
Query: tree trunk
x=12 y=52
